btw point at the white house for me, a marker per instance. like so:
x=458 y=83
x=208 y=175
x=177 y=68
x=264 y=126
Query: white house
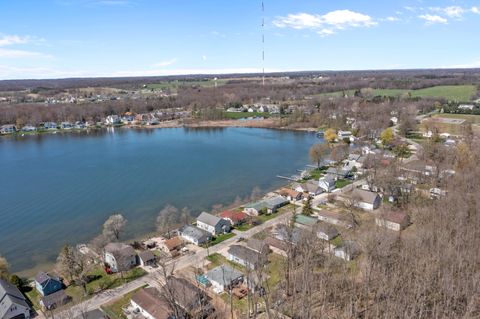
x=393 y=220
x=327 y=183
x=363 y=199
x=120 y=257
x=8 y=129
x=194 y=235
x=113 y=120
x=12 y=302
x=212 y=224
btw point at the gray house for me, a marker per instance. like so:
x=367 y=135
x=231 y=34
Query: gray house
x=327 y=183
x=275 y=203
x=120 y=257
x=245 y=256
x=194 y=234
x=213 y=224
x=12 y=303
x=223 y=278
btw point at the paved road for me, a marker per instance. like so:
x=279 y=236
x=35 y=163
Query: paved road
x=154 y=278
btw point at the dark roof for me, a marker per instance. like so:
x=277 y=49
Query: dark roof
x=94 y=314
x=244 y=253
x=195 y=232
x=187 y=295
x=150 y=300
x=223 y=275
x=10 y=295
x=120 y=250
x=146 y=255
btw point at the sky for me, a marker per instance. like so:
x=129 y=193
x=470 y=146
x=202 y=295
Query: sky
x=90 y=38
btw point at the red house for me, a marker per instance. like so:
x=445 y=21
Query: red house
x=235 y=218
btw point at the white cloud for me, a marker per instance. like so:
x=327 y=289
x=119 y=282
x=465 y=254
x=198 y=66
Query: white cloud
x=392 y=19
x=165 y=63
x=8 y=53
x=204 y=57
x=475 y=10
x=325 y=24
x=13 y=39
x=474 y=64
x=326 y=32
x=433 y=19
x=451 y=12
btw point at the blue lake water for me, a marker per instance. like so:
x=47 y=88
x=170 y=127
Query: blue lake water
x=60 y=188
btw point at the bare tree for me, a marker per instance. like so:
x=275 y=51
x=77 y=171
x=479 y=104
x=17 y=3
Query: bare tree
x=4 y=273
x=167 y=218
x=318 y=152
x=114 y=226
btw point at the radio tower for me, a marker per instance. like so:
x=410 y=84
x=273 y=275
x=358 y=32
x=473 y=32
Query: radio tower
x=263 y=44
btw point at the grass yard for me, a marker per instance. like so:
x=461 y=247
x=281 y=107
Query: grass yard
x=218 y=239
x=114 y=309
x=243 y=115
x=34 y=297
x=342 y=183
x=104 y=282
x=317 y=172
x=244 y=227
x=275 y=269
x=217 y=259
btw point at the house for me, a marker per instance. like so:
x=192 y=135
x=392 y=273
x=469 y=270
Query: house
x=113 y=120
x=363 y=199
x=213 y=224
x=194 y=235
x=255 y=209
x=8 y=129
x=50 y=126
x=47 y=284
x=393 y=220
x=257 y=245
x=146 y=258
x=224 y=278
x=66 y=126
x=12 y=303
x=348 y=250
x=465 y=107
x=245 y=256
x=417 y=169
x=172 y=246
x=234 y=218
x=29 y=128
x=311 y=188
x=151 y=304
x=274 y=203
x=327 y=183
x=325 y=231
x=54 y=300
x=334 y=219
x=290 y=194
x=94 y=314
x=344 y=134
x=338 y=172
x=120 y=257
x=288 y=235
x=305 y=222
x=277 y=246
x=193 y=300
x=79 y=125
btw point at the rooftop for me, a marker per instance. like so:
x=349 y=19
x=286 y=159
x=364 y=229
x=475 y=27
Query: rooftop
x=223 y=275
x=208 y=219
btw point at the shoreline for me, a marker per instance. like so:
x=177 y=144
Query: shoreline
x=253 y=123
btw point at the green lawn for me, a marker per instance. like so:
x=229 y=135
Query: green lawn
x=218 y=239
x=244 y=227
x=317 y=172
x=337 y=241
x=104 y=282
x=34 y=297
x=342 y=183
x=114 y=309
x=242 y=115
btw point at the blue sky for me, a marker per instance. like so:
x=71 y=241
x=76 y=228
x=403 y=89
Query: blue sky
x=79 y=38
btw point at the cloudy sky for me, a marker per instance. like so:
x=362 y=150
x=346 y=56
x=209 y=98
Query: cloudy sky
x=79 y=38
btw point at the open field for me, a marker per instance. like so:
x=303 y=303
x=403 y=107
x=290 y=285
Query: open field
x=176 y=84
x=451 y=123
x=449 y=92
x=243 y=115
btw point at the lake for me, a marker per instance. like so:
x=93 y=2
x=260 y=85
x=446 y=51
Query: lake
x=60 y=188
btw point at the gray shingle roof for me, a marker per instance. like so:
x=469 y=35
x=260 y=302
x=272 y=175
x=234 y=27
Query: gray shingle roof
x=223 y=274
x=246 y=254
x=120 y=250
x=194 y=232
x=10 y=295
x=43 y=277
x=208 y=219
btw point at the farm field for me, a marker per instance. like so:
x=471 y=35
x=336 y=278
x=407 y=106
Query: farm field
x=440 y=122
x=173 y=85
x=462 y=93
